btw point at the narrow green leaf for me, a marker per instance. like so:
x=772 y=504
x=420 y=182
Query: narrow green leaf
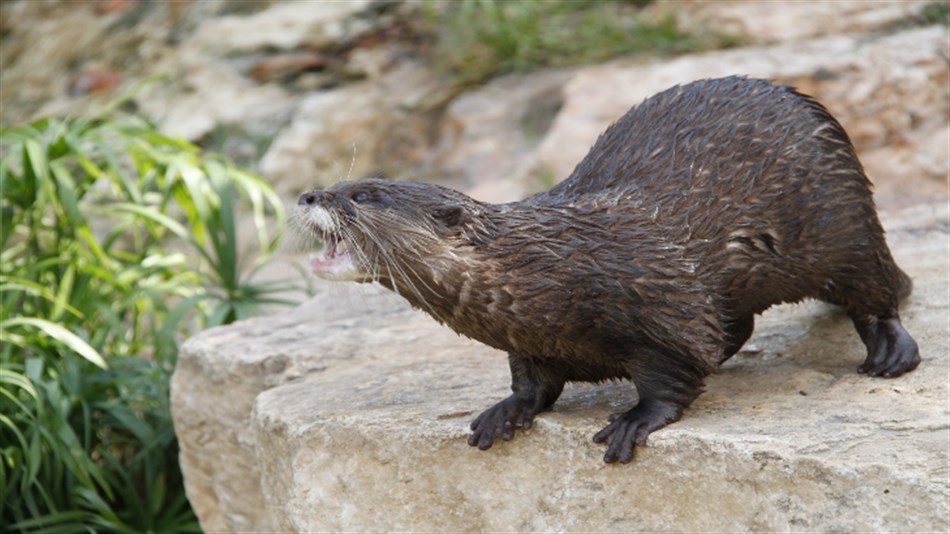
x=156 y=496
x=16 y=379
x=23 y=409
x=221 y=314
x=67 y=193
x=60 y=334
x=199 y=191
x=64 y=294
x=71 y=521
x=16 y=284
x=85 y=233
x=262 y=197
x=7 y=422
x=13 y=339
x=34 y=458
x=37 y=159
x=90 y=167
x=97 y=504
x=116 y=171
x=151 y=214
x=226 y=246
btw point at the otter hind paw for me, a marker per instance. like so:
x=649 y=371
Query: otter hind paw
x=891 y=351
x=501 y=420
x=633 y=426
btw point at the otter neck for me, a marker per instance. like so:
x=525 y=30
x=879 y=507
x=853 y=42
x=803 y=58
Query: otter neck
x=435 y=287
x=443 y=283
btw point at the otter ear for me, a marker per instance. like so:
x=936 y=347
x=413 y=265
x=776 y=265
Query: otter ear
x=449 y=215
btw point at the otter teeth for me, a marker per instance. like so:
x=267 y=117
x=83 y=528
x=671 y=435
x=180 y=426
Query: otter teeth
x=335 y=246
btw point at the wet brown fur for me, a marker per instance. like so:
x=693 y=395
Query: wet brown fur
x=696 y=210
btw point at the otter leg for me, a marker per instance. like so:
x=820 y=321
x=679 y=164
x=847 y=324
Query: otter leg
x=534 y=390
x=737 y=332
x=665 y=389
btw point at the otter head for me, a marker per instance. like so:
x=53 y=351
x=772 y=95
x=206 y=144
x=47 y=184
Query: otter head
x=388 y=231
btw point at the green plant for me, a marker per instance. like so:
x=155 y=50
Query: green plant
x=477 y=39
x=935 y=13
x=117 y=242
x=927 y=15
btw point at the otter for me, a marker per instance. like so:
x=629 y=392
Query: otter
x=698 y=209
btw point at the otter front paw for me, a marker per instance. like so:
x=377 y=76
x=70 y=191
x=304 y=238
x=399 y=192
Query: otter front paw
x=633 y=427
x=501 y=420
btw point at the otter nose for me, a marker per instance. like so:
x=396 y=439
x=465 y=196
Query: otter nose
x=311 y=197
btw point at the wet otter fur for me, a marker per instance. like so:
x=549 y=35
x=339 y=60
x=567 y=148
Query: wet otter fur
x=696 y=210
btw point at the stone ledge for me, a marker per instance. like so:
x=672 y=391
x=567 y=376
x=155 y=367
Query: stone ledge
x=351 y=413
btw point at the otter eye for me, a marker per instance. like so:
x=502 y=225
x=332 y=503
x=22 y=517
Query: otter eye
x=360 y=197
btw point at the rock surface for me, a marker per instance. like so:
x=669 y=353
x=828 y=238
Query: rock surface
x=351 y=413
x=798 y=21
x=347 y=133
x=488 y=137
x=891 y=93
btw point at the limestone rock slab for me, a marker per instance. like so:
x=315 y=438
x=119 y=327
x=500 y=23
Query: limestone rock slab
x=352 y=411
x=761 y=22
x=219 y=375
x=283 y=26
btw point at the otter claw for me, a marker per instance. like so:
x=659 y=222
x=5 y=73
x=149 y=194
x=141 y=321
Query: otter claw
x=501 y=420
x=633 y=426
x=621 y=435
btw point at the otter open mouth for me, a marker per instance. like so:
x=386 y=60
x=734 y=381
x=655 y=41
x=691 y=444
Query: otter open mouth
x=334 y=261
x=333 y=252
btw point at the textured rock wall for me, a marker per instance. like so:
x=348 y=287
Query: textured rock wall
x=891 y=93
x=294 y=89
